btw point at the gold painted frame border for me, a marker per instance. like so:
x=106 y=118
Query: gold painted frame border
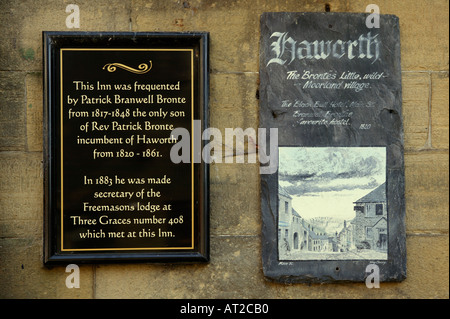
x=62 y=151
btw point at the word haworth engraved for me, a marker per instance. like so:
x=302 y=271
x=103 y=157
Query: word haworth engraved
x=361 y=48
x=332 y=88
x=112 y=193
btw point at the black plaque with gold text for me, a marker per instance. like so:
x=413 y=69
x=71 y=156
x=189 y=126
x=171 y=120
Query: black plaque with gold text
x=115 y=189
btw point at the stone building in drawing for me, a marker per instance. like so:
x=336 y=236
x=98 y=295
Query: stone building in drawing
x=369 y=227
x=295 y=234
x=288 y=223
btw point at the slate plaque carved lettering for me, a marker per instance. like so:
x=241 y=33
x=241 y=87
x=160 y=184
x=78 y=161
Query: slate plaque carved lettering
x=332 y=87
x=112 y=192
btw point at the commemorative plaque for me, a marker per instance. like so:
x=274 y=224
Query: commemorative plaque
x=334 y=210
x=117 y=187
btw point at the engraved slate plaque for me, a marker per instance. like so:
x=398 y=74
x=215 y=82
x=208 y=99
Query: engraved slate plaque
x=334 y=210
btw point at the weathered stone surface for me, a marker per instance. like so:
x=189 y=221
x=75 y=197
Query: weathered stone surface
x=231 y=215
x=21 y=47
x=423 y=43
x=424 y=28
x=21 y=220
x=12 y=111
x=241 y=28
x=233 y=25
x=34 y=109
x=440 y=111
x=234 y=91
x=21 y=195
x=427 y=268
x=416 y=100
x=22 y=274
x=21 y=173
x=427 y=190
x=231 y=258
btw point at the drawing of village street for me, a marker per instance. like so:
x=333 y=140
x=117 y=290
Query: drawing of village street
x=332 y=203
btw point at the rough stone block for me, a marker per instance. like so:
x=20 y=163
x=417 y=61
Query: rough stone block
x=234 y=272
x=21 y=193
x=244 y=118
x=235 y=268
x=416 y=93
x=428 y=268
x=21 y=216
x=233 y=25
x=426 y=188
x=233 y=28
x=34 y=112
x=23 y=276
x=234 y=105
x=423 y=27
x=21 y=47
x=234 y=207
x=21 y=173
x=234 y=91
x=440 y=111
x=12 y=111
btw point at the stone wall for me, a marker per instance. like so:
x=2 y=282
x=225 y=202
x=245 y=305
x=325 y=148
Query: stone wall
x=235 y=270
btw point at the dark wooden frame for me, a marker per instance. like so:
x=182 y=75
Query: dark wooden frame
x=52 y=43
